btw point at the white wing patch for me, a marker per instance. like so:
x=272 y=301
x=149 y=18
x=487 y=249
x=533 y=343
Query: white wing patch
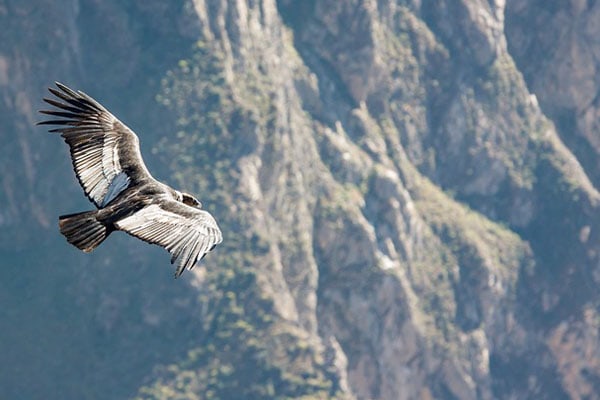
x=98 y=167
x=116 y=186
x=187 y=237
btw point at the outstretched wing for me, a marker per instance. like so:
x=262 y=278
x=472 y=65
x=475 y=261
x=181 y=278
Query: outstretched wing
x=186 y=232
x=105 y=152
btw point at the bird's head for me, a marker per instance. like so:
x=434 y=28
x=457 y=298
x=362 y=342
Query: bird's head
x=190 y=200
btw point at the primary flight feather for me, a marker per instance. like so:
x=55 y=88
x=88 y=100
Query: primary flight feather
x=109 y=166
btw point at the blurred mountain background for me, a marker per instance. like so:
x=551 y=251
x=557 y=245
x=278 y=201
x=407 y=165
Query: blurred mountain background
x=407 y=191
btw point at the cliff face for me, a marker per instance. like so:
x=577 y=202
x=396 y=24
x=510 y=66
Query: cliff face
x=401 y=217
x=556 y=49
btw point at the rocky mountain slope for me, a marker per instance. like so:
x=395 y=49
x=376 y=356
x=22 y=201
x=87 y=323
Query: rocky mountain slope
x=407 y=191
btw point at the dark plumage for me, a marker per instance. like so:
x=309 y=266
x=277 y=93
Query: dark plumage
x=109 y=166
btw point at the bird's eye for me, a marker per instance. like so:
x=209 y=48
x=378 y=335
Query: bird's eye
x=191 y=201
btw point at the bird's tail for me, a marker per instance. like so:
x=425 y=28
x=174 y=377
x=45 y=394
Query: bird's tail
x=83 y=230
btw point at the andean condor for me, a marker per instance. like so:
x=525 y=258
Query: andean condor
x=109 y=166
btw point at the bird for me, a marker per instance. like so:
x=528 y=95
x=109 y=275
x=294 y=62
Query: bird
x=108 y=164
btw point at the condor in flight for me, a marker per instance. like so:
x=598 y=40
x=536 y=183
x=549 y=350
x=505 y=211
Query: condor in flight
x=108 y=164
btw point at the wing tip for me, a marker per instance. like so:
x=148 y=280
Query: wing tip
x=63 y=87
x=179 y=271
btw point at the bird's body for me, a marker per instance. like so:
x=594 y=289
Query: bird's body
x=109 y=166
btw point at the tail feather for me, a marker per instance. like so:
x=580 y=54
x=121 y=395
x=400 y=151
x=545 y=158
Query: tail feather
x=83 y=230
